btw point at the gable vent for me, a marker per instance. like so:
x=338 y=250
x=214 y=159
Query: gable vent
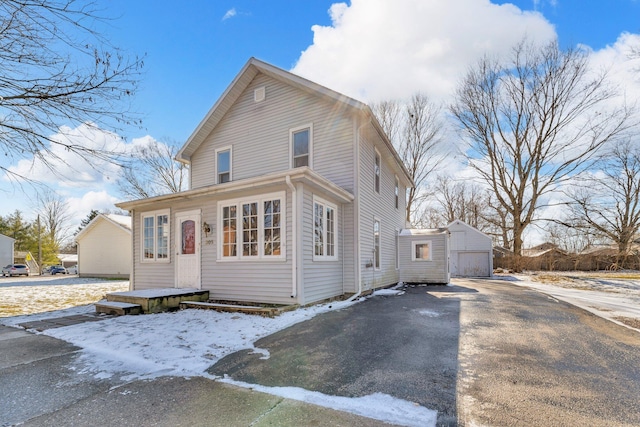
x=259 y=94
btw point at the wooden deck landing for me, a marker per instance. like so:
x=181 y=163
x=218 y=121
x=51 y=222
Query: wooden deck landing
x=158 y=300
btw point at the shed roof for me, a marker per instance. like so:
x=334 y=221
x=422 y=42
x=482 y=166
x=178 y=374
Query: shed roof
x=422 y=231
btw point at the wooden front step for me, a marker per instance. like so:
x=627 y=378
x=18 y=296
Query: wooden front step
x=249 y=309
x=117 y=308
x=159 y=300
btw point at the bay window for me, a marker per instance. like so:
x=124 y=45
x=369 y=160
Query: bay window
x=252 y=229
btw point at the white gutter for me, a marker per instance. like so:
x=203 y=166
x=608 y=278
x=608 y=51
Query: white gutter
x=294 y=237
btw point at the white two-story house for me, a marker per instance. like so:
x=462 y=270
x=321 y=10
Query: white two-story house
x=296 y=195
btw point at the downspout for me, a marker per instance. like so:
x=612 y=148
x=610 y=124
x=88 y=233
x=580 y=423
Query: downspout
x=356 y=210
x=294 y=237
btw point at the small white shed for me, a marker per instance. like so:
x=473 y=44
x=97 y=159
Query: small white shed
x=6 y=250
x=424 y=255
x=471 y=251
x=105 y=247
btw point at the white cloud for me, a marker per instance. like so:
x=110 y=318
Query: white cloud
x=67 y=168
x=230 y=14
x=79 y=207
x=376 y=49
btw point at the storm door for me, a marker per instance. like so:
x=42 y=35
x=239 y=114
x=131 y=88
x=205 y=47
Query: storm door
x=188 y=250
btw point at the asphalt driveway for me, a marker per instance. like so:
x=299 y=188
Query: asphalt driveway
x=405 y=346
x=481 y=353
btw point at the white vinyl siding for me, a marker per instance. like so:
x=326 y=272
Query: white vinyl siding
x=105 y=251
x=433 y=270
x=321 y=280
x=471 y=251
x=381 y=206
x=250 y=280
x=260 y=136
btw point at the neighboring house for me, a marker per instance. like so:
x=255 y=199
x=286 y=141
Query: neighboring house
x=104 y=247
x=68 y=260
x=471 y=251
x=6 y=250
x=296 y=195
x=424 y=256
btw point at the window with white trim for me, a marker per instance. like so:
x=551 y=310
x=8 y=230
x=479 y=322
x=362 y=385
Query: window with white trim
x=397 y=192
x=252 y=229
x=376 y=244
x=223 y=165
x=301 y=140
x=421 y=251
x=324 y=230
x=229 y=221
x=155 y=236
x=376 y=172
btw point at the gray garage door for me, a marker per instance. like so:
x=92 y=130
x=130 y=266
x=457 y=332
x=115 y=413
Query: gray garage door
x=473 y=264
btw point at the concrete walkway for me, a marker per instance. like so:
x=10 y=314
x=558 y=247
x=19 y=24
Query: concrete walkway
x=37 y=388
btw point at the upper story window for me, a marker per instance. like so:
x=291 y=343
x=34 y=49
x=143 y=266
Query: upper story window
x=324 y=230
x=397 y=193
x=155 y=236
x=376 y=244
x=252 y=229
x=376 y=172
x=301 y=146
x=223 y=165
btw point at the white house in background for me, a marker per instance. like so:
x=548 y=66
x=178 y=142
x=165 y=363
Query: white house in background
x=6 y=250
x=296 y=195
x=471 y=251
x=104 y=247
x=424 y=256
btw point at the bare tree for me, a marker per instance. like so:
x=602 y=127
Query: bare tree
x=607 y=204
x=416 y=130
x=499 y=223
x=532 y=122
x=54 y=214
x=55 y=70
x=460 y=200
x=153 y=171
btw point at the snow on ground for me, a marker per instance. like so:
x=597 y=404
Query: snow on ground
x=35 y=294
x=187 y=342
x=612 y=295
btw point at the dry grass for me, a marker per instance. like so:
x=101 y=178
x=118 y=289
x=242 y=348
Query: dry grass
x=21 y=300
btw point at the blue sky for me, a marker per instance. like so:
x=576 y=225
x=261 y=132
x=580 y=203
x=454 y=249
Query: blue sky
x=368 y=49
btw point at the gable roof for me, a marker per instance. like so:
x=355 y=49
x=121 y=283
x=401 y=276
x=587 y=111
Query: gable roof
x=120 y=221
x=246 y=75
x=460 y=223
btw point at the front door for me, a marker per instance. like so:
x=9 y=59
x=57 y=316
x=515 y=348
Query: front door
x=188 y=250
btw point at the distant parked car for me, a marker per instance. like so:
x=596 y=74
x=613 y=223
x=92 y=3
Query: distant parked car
x=15 y=270
x=73 y=269
x=57 y=269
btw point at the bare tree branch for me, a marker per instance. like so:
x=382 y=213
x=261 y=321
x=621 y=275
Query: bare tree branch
x=153 y=171
x=56 y=70
x=532 y=122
